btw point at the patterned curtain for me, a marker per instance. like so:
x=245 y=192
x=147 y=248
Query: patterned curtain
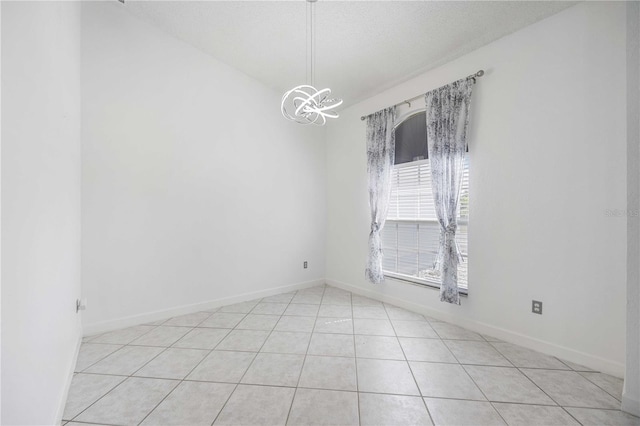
x=380 y=157
x=447 y=119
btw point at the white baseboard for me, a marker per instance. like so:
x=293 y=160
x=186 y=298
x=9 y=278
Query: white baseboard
x=65 y=392
x=596 y=363
x=631 y=405
x=114 y=324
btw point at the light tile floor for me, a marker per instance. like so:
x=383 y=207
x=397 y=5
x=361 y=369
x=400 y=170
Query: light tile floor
x=325 y=356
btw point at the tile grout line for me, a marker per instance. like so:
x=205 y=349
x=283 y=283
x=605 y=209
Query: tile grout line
x=385 y=393
x=424 y=403
x=481 y=391
x=542 y=390
x=598 y=386
x=304 y=360
x=355 y=356
x=125 y=377
x=122 y=345
x=191 y=371
x=256 y=353
x=180 y=381
x=218 y=344
x=132 y=375
x=313 y=331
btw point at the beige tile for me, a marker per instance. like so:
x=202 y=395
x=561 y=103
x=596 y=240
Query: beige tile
x=591 y=417
x=534 y=415
x=477 y=353
x=364 y=301
x=274 y=370
x=269 y=308
x=329 y=373
x=396 y=313
x=571 y=389
x=370 y=312
x=85 y=390
x=332 y=345
x=222 y=320
x=432 y=350
x=458 y=412
x=379 y=347
x=376 y=327
x=335 y=311
x=311 y=299
x=172 y=364
x=299 y=324
x=422 y=329
x=377 y=409
x=334 y=325
x=523 y=357
x=124 y=336
x=202 y=338
x=445 y=381
x=258 y=322
x=243 y=340
x=315 y=290
x=86 y=339
x=239 y=308
x=257 y=405
x=128 y=403
x=90 y=353
x=335 y=291
x=337 y=300
x=161 y=336
x=287 y=342
x=453 y=332
x=279 y=298
x=156 y=322
x=385 y=376
x=507 y=385
x=324 y=407
x=611 y=385
x=189 y=320
x=577 y=367
x=301 y=309
x=191 y=403
x=222 y=366
x=125 y=361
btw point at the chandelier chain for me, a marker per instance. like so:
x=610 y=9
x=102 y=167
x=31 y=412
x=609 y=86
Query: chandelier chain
x=305 y=104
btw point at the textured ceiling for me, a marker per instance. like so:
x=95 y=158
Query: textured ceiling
x=363 y=47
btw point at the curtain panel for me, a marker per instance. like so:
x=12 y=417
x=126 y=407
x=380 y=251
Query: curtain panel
x=380 y=157
x=447 y=113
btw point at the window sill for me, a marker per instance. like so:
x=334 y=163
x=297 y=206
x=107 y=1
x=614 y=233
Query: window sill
x=422 y=282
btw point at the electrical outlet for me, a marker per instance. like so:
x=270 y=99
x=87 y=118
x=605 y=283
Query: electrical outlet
x=305 y=264
x=536 y=307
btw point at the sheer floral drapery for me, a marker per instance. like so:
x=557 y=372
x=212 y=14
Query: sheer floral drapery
x=447 y=113
x=380 y=158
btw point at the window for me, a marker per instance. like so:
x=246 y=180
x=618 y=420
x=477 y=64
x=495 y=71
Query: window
x=411 y=234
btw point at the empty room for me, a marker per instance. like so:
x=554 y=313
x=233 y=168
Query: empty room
x=320 y=212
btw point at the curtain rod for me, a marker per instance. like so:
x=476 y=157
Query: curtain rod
x=480 y=73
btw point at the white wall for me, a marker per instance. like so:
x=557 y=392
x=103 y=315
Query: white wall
x=547 y=151
x=40 y=207
x=631 y=394
x=194 y=187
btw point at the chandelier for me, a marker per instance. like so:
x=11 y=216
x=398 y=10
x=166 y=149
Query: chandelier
x=305 y=104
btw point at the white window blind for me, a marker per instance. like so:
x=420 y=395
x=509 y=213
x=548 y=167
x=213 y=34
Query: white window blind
x=411 y=234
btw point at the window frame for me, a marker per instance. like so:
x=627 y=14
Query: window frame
x=421 y=282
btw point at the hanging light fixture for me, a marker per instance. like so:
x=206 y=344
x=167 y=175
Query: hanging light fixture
x=305 y=104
